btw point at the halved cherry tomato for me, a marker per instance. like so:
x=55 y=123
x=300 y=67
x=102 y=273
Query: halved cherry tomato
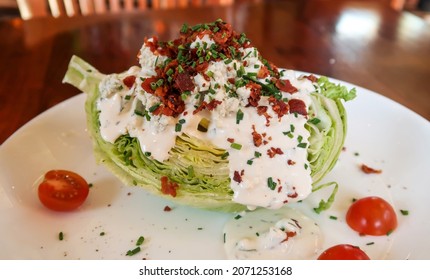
x=343 y=252
x=63 y=190
x=371 y=216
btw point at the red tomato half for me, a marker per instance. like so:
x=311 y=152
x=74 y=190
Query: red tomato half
x=343 y=252
x=63 y=190
x=371 y=216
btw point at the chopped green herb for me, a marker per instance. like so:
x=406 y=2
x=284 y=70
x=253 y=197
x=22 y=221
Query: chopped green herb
x=225 y=155
x=237 y=217
x=404 y=212
x=249 y=162
x=133 y=252
x=333 y=217
x=257 y=154
x=102 y=233
x=314 y=121
x=153 y=107
x=178 y=127
x=239 y=116
x=61 y=235
x=90 y=185
x=184 y=28
x=127 y=97
x=302 y=145
x=236 y=146
x=390 y=232
x=271 y=184
x=140 y=241
x=370 y=243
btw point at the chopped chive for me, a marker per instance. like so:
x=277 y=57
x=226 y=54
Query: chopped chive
x=153 y=107
x=314 y=121
x=133 y=252
x=333 y=217
x=249 y=162
x=210 y=74
x=236 y=146
x=140 y=241
x=370 y=243
x=184 y=28
x=239 y=116
x=302 y=145
x=102 y=233
x=271 y=184
x=288 y=133
x=127 y=97
x=169 y=72
x=148 y=154
x=61 y=235
x=90 y=185
x=292 y=128
x=225 y=155
x=237 y=217
x=404 y=212
x=224 y=238
x=257 y=154
x=181 y=121
x=299 y=138
x=390 y=232
x=178 y=127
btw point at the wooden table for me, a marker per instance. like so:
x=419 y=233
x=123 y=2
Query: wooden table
x=364 y=43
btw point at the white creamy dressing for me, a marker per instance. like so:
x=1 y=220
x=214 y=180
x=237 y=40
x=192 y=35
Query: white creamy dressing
x=272 y=234
x=266 y=181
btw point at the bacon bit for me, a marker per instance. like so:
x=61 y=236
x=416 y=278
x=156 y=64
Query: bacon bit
x=297 y=106
x=369 y=170
x=201 y=68
x=274 y=151
x=255 y=94
x=184 y=82
x=288 y=235
x=291 y=162
x=168 y=187
x=129 y=81
x=210 y=106
x=285 y=85
x=312 y=78
x=237 y=177
x=256 y=137
x=152 y=45
x=263 y=72
x=262 y=111
x=146 y=85
x=293 y=195
x=279 y=106
x=231 y=140
x=279 y=189
x=167 y=209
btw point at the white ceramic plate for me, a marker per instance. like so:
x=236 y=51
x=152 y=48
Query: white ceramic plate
x=382 y=134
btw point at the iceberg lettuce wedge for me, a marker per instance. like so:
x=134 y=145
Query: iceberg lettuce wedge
x=199 y=168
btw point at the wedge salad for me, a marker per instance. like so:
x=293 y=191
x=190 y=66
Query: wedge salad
x=206 y=121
